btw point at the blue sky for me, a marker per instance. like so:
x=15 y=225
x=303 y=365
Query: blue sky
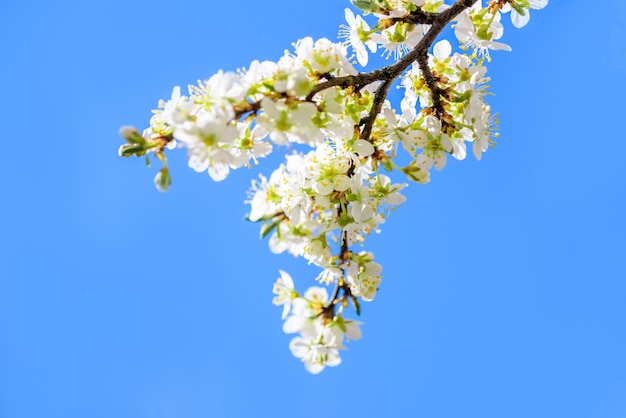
x=504 y=279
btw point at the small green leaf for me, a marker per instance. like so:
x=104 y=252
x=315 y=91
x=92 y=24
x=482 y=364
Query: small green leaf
x=520 y=6
x=267 y=228
x=357 y=305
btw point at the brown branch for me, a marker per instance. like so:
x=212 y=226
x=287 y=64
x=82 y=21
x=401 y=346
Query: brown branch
x=328 y=311
x=431 y=83
x=359 y=80
x=379 y=100
x=389 y=73
x=250 y=107
x=417 y=17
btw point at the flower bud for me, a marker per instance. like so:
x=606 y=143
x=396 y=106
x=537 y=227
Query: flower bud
x=162 y=180
x=127 y=150
x=416 y=174
x=131 y=135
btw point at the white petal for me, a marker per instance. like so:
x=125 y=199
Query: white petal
x=299 y=347
x=286 y=278
x=440 y=160
x=286 y=309
x=478 y=153
x=518 y=20
x=276 y=245
x=538 y=4
x=323 y=187
x=433 y=125
x=333 y=359
x=219 y=171
x=350 y=17
x=442 y=50
x=293 y=324
x=424 y=162
x=342 y=183
x=176 y=94
x=446 y=144
x=361 y=54
x=353 y=331
x=313 y=368
x=363 y=148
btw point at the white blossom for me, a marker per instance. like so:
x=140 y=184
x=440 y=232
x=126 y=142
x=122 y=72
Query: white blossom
x=347 y=143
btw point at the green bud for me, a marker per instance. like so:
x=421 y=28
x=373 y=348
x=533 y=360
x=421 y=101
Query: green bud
x=131 y=135
x=127 y=150
x=365 y=5
x=416 y=174
x=162 y=180
x=345 y=220
x=369 y=6
x=484 y=34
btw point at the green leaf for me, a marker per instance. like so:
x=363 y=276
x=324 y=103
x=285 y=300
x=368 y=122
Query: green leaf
x=357 y=305
x=520 y=6
x=267 y=228
x=387 y=164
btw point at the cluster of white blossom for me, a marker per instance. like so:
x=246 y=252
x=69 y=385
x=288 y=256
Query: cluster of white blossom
x=322 y=330
x=331 y=193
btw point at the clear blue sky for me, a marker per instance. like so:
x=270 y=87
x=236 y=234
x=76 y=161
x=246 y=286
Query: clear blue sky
x=505 y=279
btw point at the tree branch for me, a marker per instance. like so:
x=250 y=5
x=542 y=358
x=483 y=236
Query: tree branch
x=417 y=17
x=389 y=73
